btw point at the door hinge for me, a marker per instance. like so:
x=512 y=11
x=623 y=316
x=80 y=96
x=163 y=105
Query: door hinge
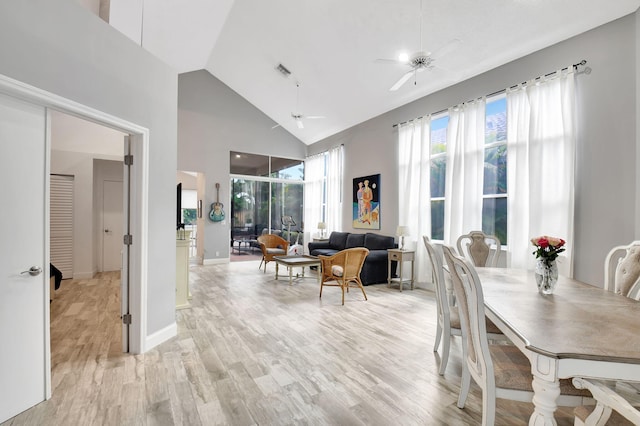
x=126 y=319
x=128 y=240
x=128 y=160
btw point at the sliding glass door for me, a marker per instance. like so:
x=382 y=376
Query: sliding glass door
x=267 y=197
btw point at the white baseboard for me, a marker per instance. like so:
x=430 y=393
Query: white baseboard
x=83 y=275
x=216 y=261
x=160 y=336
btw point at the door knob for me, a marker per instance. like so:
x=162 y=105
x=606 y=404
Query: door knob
x=33 y=271
x=106 y=230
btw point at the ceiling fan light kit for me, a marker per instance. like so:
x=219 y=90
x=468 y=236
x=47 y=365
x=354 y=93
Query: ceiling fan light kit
x=418 y=61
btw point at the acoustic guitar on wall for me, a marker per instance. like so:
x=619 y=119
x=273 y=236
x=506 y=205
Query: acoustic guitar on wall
x=217 y=213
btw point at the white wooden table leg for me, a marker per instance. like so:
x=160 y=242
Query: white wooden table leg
x=546 y=394
x=290 y=275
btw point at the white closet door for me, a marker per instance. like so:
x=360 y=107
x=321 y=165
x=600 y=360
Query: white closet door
x=62 y=223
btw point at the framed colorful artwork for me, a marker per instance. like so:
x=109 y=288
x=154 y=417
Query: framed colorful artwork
x=366 y=202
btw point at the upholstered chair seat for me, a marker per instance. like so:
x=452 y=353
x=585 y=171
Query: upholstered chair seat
x=611 y=408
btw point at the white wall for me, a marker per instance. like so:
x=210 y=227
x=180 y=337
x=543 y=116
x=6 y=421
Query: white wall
x=58 y=46
x=80 y=165
x=69 y=133
x=607 y=159
x=75 y=144
x=212 y=121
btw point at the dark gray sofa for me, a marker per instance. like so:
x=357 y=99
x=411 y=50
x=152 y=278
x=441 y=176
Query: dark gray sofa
x=375 y=266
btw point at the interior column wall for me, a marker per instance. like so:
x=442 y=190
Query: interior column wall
x=81 y=58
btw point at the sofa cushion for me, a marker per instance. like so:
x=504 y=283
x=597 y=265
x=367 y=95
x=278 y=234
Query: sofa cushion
x=337 y=240
x=378 y=242
x=354 y=240
x=323 y=252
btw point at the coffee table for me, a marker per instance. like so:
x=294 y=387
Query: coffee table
x=299 y=261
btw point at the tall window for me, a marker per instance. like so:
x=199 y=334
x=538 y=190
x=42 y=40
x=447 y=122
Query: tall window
x=263 y=190
x=494 y=202
x=323 y=189
x=438 y=158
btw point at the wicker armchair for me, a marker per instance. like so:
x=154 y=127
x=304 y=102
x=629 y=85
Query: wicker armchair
x=343 y=269
x=272 y=246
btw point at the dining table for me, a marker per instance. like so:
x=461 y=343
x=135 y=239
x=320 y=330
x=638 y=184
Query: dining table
x=578 y=331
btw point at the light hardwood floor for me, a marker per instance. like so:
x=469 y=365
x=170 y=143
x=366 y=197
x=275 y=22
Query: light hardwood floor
x=255 y=351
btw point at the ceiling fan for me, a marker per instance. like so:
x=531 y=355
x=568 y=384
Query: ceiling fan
x=298 y=117
x=418 y=61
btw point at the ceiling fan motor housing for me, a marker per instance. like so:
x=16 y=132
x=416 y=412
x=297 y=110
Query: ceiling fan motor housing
x=421 y=60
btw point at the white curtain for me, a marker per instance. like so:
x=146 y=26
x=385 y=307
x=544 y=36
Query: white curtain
x=334 y=189
x=414 y=197
x=465 y=168
x=313 y=187
x=540 y=179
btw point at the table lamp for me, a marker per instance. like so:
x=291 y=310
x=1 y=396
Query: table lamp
x=322 y=226
x=402 y=231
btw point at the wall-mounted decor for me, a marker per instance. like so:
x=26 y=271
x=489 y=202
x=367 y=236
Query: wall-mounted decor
x=217 y=213
x=366 y=202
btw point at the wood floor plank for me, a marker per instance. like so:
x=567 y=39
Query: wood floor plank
x=255 y=351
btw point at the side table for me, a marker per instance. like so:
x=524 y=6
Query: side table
x=400 y=256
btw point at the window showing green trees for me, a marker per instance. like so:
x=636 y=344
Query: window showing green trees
x=263 y=189
x=438 y=143
x=494 y=206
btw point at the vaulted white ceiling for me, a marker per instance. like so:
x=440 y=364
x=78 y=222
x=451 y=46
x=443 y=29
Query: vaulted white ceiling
x=331 y=47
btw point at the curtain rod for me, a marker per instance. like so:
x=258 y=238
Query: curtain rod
x=325 y=151
x=574 y=66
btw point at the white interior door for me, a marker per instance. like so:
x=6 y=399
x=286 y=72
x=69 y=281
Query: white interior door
x=24 y=297
x=112 y=225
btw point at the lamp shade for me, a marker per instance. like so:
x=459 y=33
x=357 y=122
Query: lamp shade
x=402 y=231
x=322 y=225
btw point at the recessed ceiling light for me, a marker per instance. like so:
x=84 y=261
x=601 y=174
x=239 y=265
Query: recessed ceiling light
x=403 y=57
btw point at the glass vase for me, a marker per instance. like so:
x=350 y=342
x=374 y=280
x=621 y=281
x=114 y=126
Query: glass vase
x=546 y=276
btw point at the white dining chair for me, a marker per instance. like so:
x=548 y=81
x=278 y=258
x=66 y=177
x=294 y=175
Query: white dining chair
x=448 y=321
x=482 y=249
x=622 y=274
x=501 y=371
x=622 y=270
x=610 y=408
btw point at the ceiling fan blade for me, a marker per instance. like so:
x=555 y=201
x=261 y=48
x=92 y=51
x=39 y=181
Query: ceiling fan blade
x=390 y=61
x=299 y=123
x=402 y=81
x=314 y=116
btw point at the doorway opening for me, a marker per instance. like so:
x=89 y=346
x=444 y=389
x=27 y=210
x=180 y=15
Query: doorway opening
x=89 y=241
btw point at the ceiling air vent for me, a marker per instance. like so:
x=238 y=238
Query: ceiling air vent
x=283 y=70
